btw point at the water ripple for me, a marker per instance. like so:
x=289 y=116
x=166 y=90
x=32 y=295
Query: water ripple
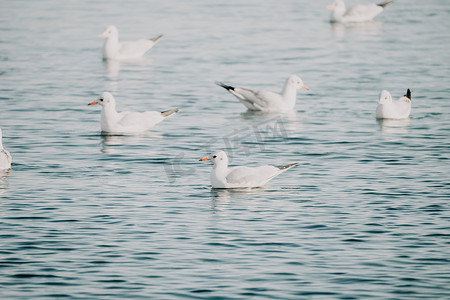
x=91 y=216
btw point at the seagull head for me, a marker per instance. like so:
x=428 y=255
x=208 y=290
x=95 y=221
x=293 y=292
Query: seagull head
x=385 y=97
x=218 y=158
x=336 y=5
x=110 y=31
x=297 y=82
x=104 y=100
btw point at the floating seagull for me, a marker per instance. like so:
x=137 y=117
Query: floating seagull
x=5 y=157
x=357 y=13
x=267 y=101
x=241 y=177
x=113 y=49
x=127 y=122
x=389 y=109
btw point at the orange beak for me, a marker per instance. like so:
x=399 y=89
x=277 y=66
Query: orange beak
x=329 y=7
x=204 y=159
x=305 y=87
x=93 y=102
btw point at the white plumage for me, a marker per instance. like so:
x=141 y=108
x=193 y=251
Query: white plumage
x=390 y=109
x=241 y=177
x=5 y=156
x=267 y=101
x=113 y=49
x=127 y=122
x=357 y=13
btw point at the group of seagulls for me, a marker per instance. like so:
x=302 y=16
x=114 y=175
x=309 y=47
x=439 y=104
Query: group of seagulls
x=222 y=176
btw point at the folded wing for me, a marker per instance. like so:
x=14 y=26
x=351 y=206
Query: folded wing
x=135 y=48
x=246 y=176
x=362 y=12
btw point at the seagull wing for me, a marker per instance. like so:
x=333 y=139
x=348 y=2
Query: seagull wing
x=137 y=121
x=260 y=100
x=403 y=107
x=251 y=177
x=363 y=12
x=5 y=159
x=135 y=48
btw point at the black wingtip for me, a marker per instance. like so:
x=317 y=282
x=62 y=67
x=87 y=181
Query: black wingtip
x=155 y=39
x=169 y=112
x=408 y=94
x=383 y=5
x=227 y=87
x=288 y=166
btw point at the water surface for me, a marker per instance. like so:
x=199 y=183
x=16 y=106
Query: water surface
x=86 y=216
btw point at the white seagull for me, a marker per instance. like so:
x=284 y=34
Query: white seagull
x=5 y=156
x=389 y=109
x=113 y=49
x=223 y=177
x=267 y=101
x=112 y=121
x=357 y=13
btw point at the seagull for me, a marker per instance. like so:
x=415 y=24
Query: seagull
x=113 y=49
x=357 y=13
x=267 y=101
x=389 y=109
x=223 y=177
x=5 y=156
x=127 y=122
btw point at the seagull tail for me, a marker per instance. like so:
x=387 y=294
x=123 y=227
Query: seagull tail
x=227 y=87
x=287 y=167
x=155 y=39
x=408 y=94
x=384 y=4
x=169 y=112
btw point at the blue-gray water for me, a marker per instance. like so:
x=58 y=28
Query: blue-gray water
x=365 y=215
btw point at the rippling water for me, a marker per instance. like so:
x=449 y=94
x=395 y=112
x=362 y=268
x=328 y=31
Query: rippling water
x=86 y=216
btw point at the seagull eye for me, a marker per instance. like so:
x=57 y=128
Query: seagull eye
x=214 y=156
x=101 y=99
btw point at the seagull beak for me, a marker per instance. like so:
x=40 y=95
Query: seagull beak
x=329 y=7
x=204 y=159
x=93 y=102
x=305 y=87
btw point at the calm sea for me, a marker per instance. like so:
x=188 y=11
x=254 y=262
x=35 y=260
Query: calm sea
x=364 y=216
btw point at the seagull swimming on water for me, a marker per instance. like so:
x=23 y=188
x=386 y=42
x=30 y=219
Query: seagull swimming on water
x=113 y=49
x=5 y=156
x=267 y=101
x=357 y=13
x=390 y=109
x=112 y=121
x=241 y=177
